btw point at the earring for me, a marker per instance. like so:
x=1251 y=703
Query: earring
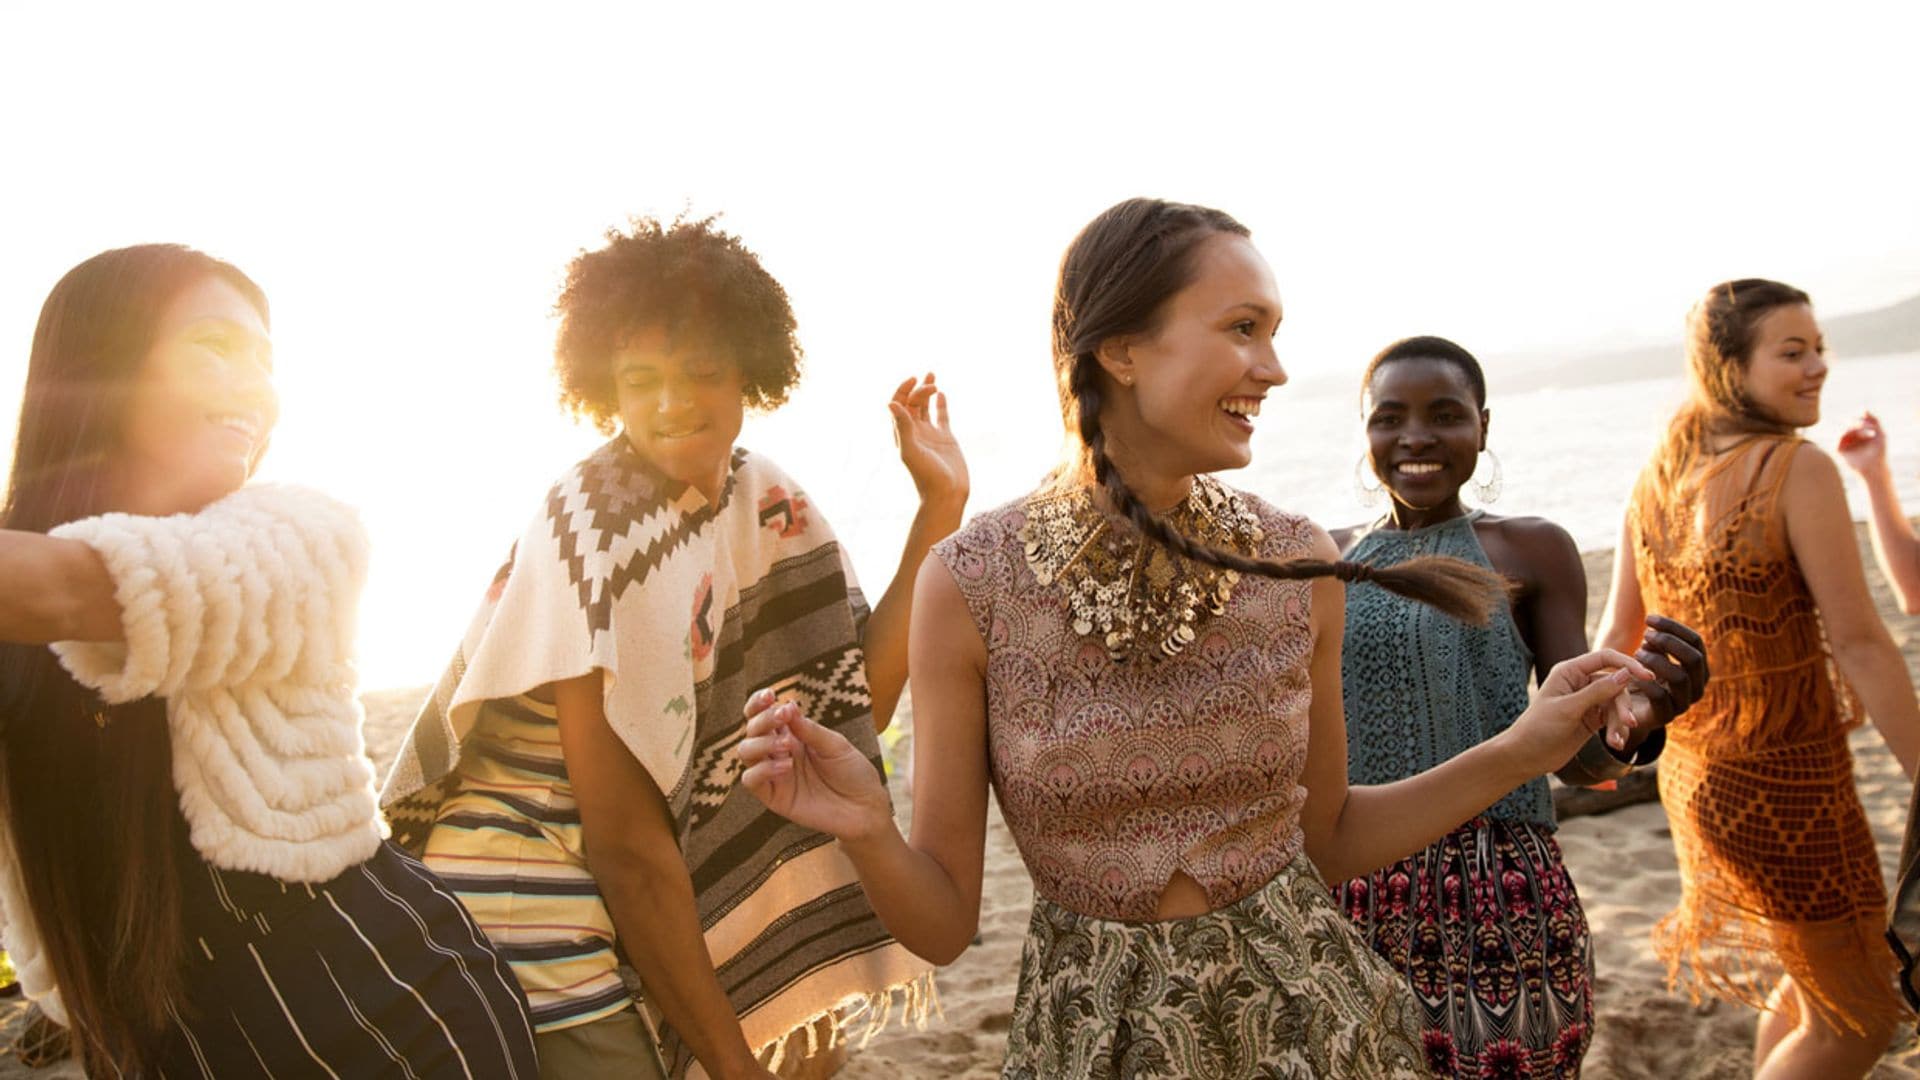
x=1487 y=491
x=1368 y=494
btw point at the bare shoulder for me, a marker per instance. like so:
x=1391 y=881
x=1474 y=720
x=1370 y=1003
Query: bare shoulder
x=1528 y=531
x=1811 y=473
x=1532 y=550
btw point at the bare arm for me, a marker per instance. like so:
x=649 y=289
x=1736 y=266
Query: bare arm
x=1864 y=448
x=1620 y=624
x=1352 y=831
x=1820 y=534
x=637 y=863
x=1894 y=541
x=932 y=457
x=55 y=590
x=927 y=889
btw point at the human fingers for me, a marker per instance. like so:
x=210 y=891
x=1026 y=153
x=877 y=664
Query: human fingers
x=763 y=777
x=1685 y=646
x=1577 y=672
x=1596 y=698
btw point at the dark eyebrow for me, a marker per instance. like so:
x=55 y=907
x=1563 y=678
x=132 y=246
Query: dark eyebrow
x=1254 y=306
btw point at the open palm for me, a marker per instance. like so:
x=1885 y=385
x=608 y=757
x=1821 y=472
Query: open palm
x=927 y=446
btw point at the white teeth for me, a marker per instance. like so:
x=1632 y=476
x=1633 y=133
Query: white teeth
x=1248 y=407
x=1418 y=468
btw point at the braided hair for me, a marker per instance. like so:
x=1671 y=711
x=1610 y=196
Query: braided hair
x=1115 y=279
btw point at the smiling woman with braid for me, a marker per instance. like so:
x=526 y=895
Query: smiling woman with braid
x=1144 y=663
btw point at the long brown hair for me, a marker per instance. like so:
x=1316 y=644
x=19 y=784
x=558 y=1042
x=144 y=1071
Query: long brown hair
x=89 y=798
x=1116 y=279
x=1721 y=332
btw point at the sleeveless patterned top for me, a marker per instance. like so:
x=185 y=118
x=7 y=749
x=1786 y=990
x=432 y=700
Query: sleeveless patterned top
x=1113 y=775
x=1421 y=686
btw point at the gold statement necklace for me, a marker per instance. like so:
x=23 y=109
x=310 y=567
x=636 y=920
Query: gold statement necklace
x=1123 y=589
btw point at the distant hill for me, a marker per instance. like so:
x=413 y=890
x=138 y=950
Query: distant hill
x=1891 y=329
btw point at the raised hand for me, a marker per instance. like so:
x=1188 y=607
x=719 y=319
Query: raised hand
x=927 y=446
x=1864 y=445
x=1580 y=698
x=809 y=775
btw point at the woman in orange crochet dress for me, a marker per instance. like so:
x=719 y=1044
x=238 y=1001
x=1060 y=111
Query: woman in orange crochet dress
x=1165 y=735
x=1740 y=528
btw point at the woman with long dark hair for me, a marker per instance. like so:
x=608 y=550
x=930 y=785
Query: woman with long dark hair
x=194 y=874
x=1144 y=663
x=1484 y=924
x=1740 y=527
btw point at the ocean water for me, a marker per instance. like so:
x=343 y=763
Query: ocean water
x=1568 y=454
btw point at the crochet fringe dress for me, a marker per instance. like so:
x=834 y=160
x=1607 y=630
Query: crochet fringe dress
x=1778 y=869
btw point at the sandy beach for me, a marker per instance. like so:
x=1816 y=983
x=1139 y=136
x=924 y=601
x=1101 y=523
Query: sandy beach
x=1622 y=863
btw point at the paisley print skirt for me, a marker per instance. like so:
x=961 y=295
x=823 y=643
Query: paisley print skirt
x=1485 y=928
x=1273 y=985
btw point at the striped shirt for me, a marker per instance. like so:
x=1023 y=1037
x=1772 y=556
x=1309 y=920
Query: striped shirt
x=508 y=842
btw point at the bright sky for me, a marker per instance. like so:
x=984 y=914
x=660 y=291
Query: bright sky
x=408 y=180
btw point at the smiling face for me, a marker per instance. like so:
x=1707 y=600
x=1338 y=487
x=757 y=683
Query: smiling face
x=1198 y=378
x=681 y=407
x=1425 y=430
x=199 y=416
x=1788 y=366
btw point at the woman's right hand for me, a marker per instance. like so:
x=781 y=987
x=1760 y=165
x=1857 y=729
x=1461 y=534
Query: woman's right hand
x=809 y=775
x=1864 y=445
x=1580 y=698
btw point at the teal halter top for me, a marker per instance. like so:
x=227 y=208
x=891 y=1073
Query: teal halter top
x=1421 y=686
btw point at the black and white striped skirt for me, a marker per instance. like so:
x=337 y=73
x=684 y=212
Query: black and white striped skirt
x=377 y=973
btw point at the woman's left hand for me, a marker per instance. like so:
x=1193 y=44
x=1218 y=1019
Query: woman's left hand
x=1677 y=657
x=927 y=446
x=1580 y=698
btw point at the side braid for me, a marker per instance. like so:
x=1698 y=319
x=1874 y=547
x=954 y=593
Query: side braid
x=1458 y=588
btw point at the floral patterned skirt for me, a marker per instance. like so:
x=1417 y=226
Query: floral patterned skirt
x=1484 y=926
x=1275 y=984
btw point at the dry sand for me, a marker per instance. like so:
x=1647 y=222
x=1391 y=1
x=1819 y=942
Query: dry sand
x=1622 y=863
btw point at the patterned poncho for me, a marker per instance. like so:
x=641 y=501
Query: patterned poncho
x=688 y=608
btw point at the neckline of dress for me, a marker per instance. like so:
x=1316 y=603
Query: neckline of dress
x=1383 y=528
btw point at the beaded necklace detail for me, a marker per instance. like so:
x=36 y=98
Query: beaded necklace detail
x=1124 y=590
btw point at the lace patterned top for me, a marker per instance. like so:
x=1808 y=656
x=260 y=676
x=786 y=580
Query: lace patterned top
x=1114 y=774
x=1420 y=686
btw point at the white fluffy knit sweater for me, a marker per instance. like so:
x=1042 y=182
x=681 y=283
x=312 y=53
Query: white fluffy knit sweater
x=242 y=617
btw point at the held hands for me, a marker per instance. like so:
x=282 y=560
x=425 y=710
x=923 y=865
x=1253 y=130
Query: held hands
x=809 y=775
x=1678 y=659
x=1864 y=445
x=1580 y=698
x=927 y=446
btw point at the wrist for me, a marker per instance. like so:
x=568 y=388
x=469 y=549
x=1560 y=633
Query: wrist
x=944 y=505
x=1876 y=474
x=870 y=834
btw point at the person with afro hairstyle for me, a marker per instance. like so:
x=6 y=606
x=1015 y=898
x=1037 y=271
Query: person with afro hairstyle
x=573 y=774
